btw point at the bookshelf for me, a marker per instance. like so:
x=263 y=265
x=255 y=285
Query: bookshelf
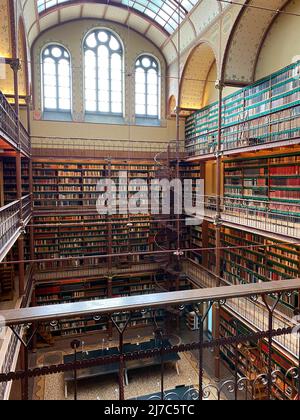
x=268 y=260
x=253 y=361
x=71 y=184
x=9 y=178
x=269 y=183
x=264 y=112
x=203 y=236
x=86 y=235
x=95 y=288
x=67 y=222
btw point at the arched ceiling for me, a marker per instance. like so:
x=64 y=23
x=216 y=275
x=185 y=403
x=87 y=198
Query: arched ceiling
x=156 y=20
x=246 y=40
x=195 y=74
x=165 y=13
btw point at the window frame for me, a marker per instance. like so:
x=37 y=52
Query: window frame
x=121 y=52
x=57 y=60
x=155 y=60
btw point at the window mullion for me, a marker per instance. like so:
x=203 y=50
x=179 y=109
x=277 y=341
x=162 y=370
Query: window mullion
x=97 y=78
x=57 y=83
x=146 y=98
x=109 y=83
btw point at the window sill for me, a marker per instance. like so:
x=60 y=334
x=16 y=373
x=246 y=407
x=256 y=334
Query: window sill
x=148 y=122
x=57 y=116
x=104 y=119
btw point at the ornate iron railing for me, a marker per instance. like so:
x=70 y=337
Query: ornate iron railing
x=252 y=382
x=276 y=129
x=251 y=311
x=10 y=126
x=10 y=223
x=267 y=216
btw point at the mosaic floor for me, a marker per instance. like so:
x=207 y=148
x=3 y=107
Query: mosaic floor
x=141 y=382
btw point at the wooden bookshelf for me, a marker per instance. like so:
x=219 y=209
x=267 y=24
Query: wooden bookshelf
x=266 y=261
x=204 y=238
x=270 y=183
x=68 y=225
x=95 y=288
x=267 y=111
x=9 y=177
x=253 y=361
x=67 y=184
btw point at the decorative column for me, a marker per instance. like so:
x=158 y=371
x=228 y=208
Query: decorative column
x=15 y=66
x=218 y=225
x=28 y=100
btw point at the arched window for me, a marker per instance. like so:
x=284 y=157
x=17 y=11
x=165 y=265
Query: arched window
x=56 y=74
x=103 y=55
x=147 y=87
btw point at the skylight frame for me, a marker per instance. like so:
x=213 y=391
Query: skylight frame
x=166 y=13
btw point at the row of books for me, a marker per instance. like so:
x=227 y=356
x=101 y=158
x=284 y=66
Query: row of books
x=266 y=112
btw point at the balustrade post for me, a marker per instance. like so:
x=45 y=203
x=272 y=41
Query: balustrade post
x=202 y=317
x=271 y=309
x=75 y=346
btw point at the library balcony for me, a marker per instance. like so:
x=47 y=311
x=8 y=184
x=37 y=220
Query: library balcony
x=253 y=312
x=10 y=227
x=259 y=373
x=13 y=135
x=259 y=117
x=280 y=129
x=275 y=218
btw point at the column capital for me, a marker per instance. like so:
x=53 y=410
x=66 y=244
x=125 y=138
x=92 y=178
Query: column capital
x=28 y=100
x=15 y=65
x=219 y=84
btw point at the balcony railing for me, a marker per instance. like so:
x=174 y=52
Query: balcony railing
x=281 y=127
x=9 y=126
x=10 y=227
x=267 y=216
x=249 y=381
x=252 y=311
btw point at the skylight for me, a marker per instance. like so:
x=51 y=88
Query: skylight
x=166 y=13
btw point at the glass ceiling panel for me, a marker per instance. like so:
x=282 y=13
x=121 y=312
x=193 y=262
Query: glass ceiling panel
x=166 y=13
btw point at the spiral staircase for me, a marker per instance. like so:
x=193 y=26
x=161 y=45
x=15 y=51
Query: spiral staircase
x=166 y=237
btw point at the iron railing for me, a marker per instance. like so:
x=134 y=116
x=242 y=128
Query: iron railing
x=10 y=125
x=267 y=216
x=282 y=127
x=130 y=148
x=251 y=311
x=10 y=223
x=251 y=380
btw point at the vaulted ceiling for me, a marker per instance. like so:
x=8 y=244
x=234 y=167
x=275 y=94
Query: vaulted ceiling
x=157 y=20
x=247 y=37
x=167 y=14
